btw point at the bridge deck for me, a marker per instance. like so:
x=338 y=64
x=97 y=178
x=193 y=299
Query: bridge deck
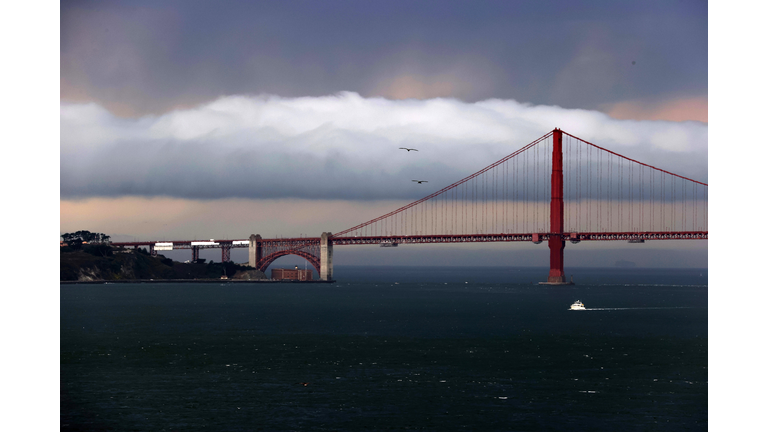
x=444 y=238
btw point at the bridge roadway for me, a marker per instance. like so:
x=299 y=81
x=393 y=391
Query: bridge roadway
x=319 y=250
x=441 y=238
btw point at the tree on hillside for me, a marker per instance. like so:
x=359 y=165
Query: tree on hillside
x=77 y=238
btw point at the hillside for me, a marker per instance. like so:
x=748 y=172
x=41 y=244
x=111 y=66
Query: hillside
x=101 y=262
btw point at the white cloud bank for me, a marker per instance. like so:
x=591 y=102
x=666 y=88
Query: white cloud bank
x=335 y=147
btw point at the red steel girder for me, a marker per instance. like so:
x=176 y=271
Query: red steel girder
x=520 y=237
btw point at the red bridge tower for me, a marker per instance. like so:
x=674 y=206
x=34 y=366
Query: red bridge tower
x=556 y=224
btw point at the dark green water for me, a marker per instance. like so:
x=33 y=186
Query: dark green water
x=390 y=349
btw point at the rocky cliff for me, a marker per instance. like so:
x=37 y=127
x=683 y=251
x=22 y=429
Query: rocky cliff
x=110 y=264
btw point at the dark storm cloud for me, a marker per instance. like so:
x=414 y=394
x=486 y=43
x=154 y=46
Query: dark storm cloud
x=334 y=147
x=138 y=57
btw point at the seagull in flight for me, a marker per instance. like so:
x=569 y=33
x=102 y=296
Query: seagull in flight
x=420 y=181
x=409 y=149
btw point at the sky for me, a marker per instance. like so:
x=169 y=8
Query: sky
x=187 y=120
x=136 y=58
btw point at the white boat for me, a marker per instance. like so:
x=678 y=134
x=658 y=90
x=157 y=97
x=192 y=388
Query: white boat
x=578 y=306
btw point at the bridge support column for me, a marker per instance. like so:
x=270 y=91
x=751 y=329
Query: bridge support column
x=255 y=252
x=195 y=254
x=225 y=252
x=556 y=271
x=556 y=224
x=326 y=257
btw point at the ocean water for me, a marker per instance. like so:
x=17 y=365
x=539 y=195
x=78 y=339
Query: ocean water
x=390 y=348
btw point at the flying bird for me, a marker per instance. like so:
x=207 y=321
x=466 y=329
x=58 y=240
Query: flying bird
x=420 y=181
x=409 y=149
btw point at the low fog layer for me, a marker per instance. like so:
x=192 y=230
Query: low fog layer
x=341 y=146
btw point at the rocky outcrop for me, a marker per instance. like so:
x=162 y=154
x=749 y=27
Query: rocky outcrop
x=89 y=274
x=82 y=266
x=249 y=275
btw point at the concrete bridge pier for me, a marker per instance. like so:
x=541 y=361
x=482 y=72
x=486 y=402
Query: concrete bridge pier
x=326 y=257
x=255 y=252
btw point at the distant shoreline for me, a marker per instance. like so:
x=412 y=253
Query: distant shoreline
x=151 y=281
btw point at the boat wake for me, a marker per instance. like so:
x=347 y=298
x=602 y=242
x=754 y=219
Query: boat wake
x=638 y=308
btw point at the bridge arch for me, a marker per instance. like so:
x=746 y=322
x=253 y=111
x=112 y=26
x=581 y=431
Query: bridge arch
x=265 y=262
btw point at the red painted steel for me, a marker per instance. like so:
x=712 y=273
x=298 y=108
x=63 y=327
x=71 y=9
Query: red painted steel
x=464 y=180
x=632 y=160
x=297 y=244
x=520 y=237
x=268 y=250
x=225 y=249
x=264 y=263
x=556 y=242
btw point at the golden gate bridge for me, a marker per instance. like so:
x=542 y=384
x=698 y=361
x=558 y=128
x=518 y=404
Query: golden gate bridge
x=557 y=189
